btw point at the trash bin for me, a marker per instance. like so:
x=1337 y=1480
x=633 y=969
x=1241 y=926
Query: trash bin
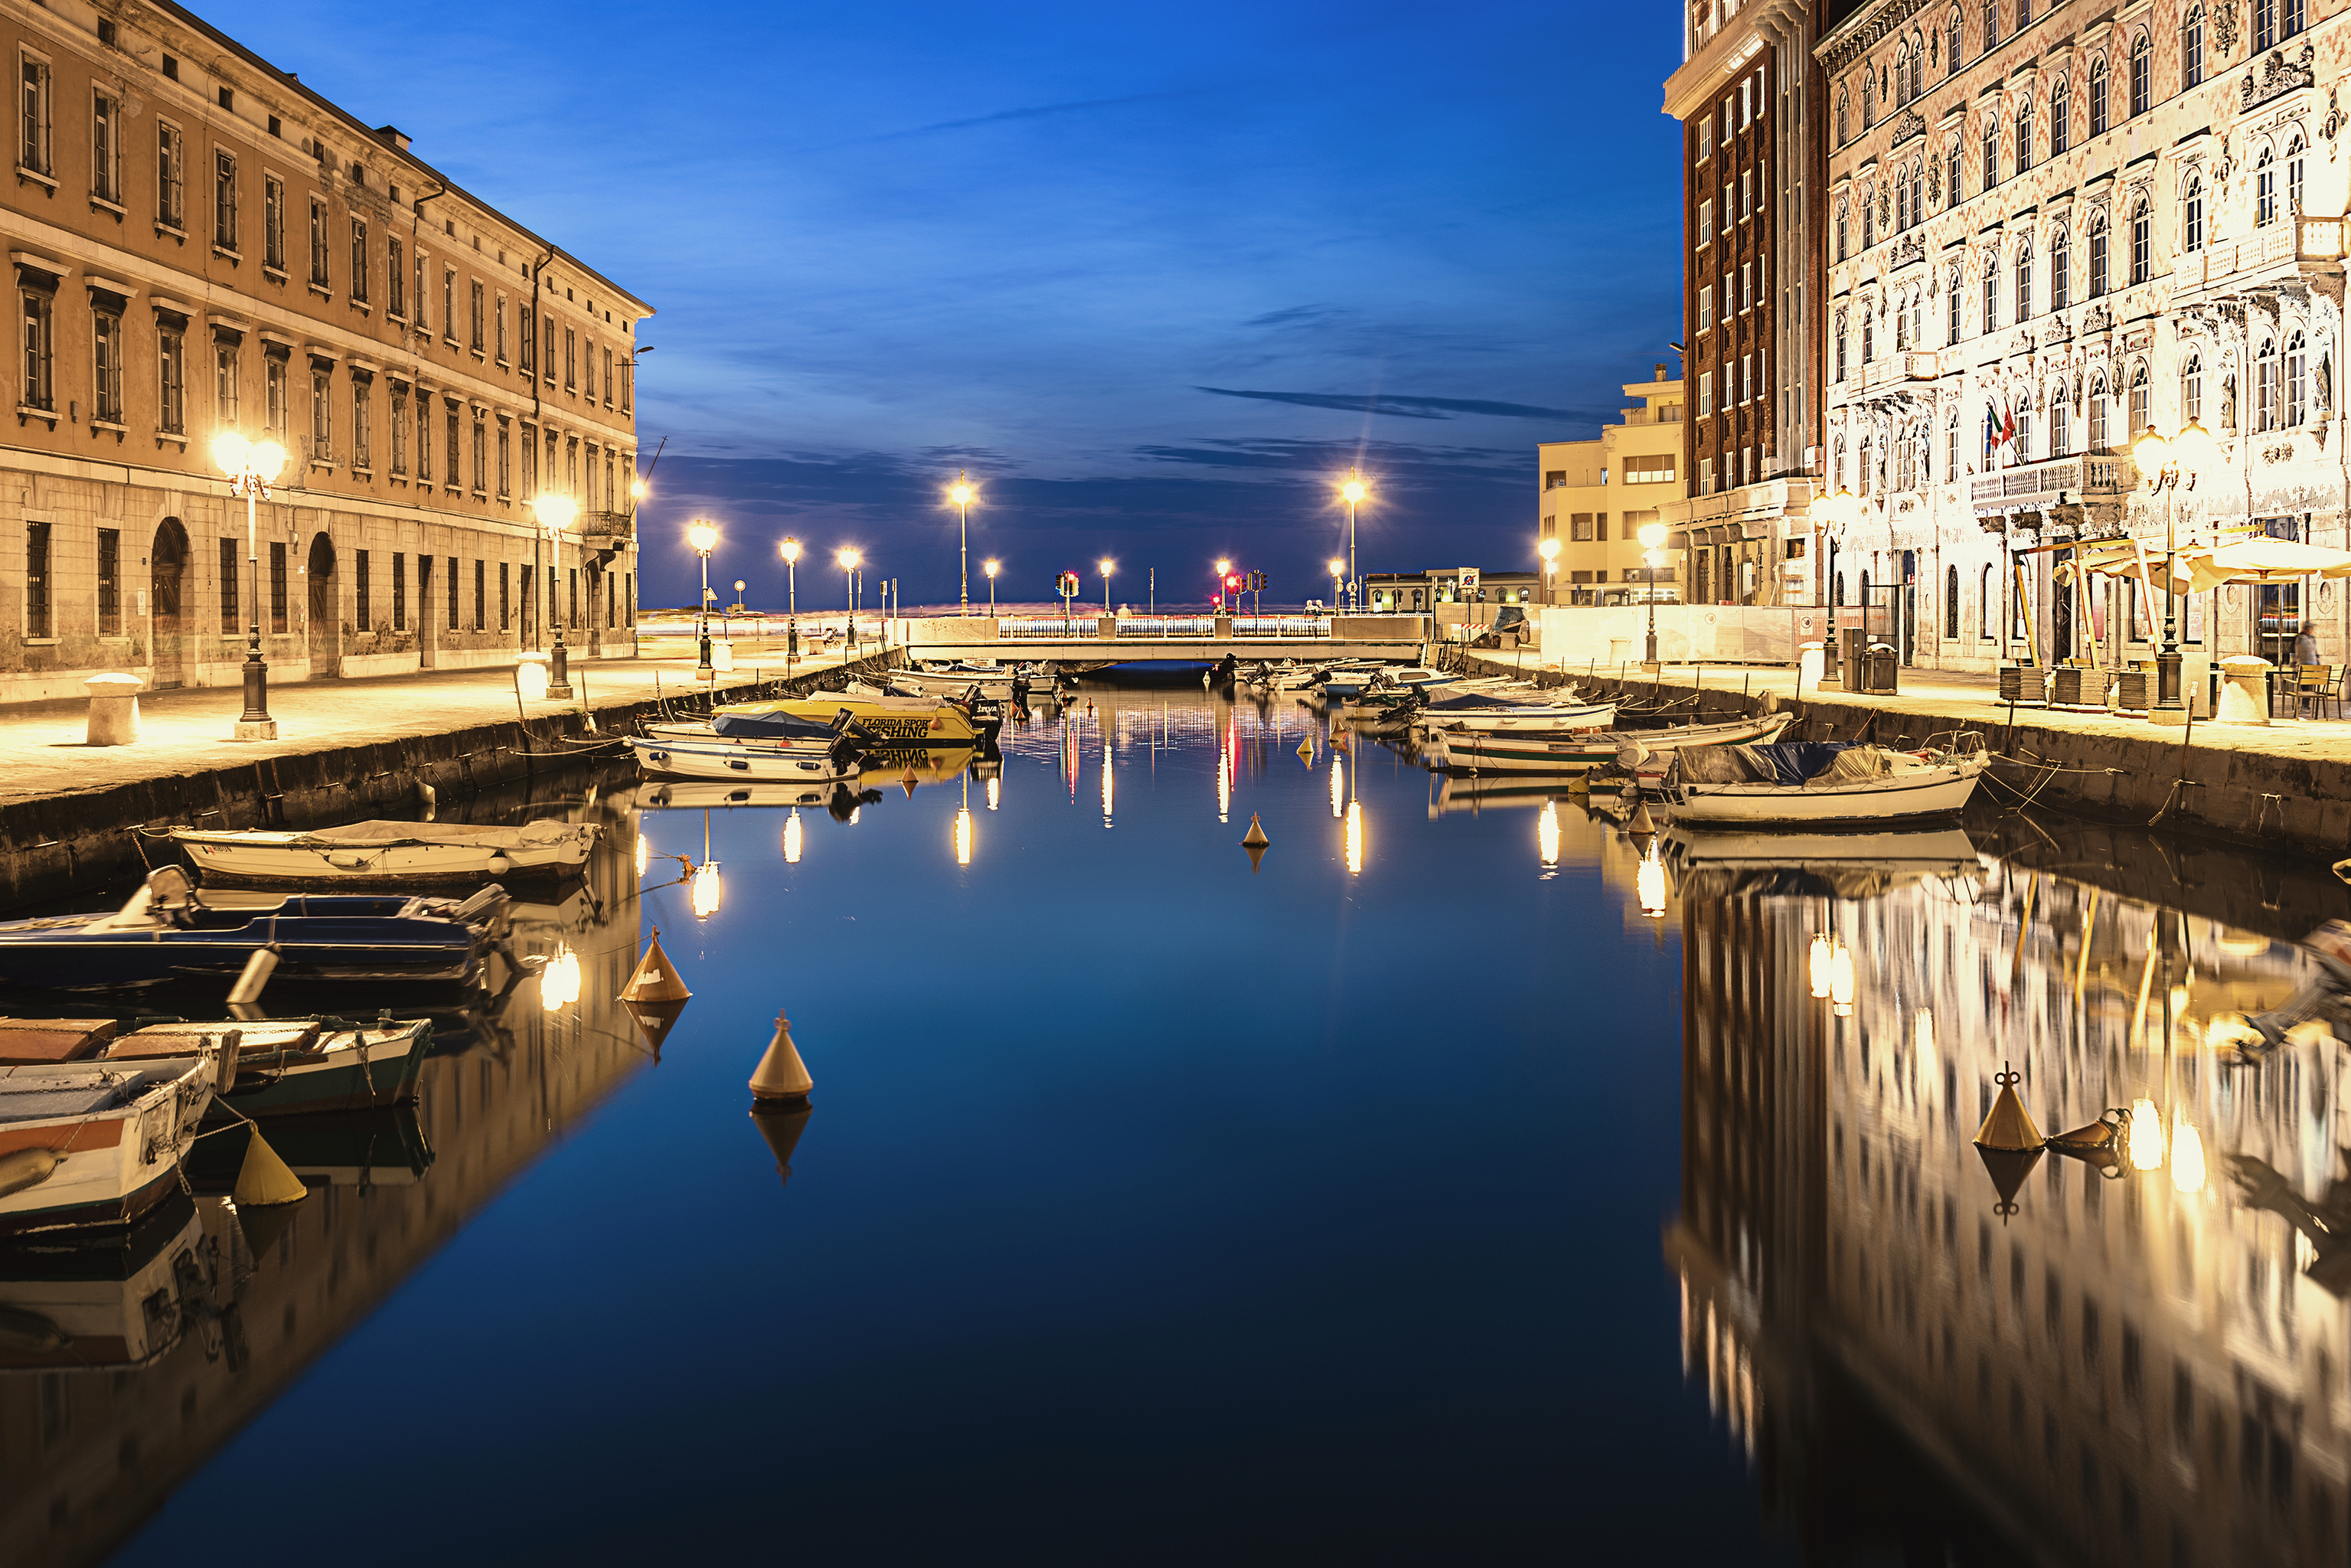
x=2244 y=690
x=113 y=709
x=1878 y=668
x=722 y=654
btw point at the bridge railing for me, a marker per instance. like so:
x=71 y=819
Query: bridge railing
x=1046 y=631
x=1160 y=628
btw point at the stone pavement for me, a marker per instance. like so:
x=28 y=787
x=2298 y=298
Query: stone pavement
x=43 y=750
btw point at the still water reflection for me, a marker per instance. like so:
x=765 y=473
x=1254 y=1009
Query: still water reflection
x=1162 y=1202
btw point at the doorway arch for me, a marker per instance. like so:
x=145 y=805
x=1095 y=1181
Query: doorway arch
x=326 y=621
x=167 y=581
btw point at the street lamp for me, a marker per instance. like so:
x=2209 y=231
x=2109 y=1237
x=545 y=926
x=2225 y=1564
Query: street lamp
x=250 y=466
x=1106 y=566
x=790 y=550
x=703 y=537
x=847 y=559
x=2170 y=466
x=1355 y=492
x=1653 y=555
x=555 y=514
x=1338 y=570
x=960 y=493
x=1549 y=551
x=991 y=566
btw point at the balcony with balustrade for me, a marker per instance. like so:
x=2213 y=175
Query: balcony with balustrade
x=2297 y=251
x=2084 y=493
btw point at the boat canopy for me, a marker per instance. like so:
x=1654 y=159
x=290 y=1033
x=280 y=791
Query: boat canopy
x=491 y=835
x=768 y=726
x=1783 y=762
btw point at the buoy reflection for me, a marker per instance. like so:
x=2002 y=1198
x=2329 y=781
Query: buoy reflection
x=1355 y=834
x=792 y=837
x=1547 y=835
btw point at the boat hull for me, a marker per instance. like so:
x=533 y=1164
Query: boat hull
x=732 y=761
x=903 y=721
x=253 y=861
x=1905 y=797
x=113 y=1165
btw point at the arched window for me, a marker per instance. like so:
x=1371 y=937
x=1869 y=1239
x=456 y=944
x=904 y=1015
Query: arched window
x=2024 y=135
x=1951 y=172
x=2294 y=152
x=1840 y=346
x=2142 y=243
x=2298 y=380
x=1983 y=604
x=1901 y=202
x=1951 y=604
x=2023 y=417
x=1845 y=117
x=1901 y=73
x=1868 y=98
x=2138 y=415
x=1951 y=446
x=2191 y=215
x=2191 y=47
x=2266 y=29
x=1990 y=292
x=1868 y=218
x=2060 y=270
x=1868 y=333
x=2266 y=387
x=2060 y=425
x=1917 y=190
x=2061 y=117
x=2097 y=255
x=1866 y=476
x=2098 y=438
x=1844 y=219
x=2265 y=190
x=1952 y=304
x=1864 y=587
x=2024 y=280
x=1837 y=588
x=2191 y=388
x=2098 y=96
x=2142 y=76
x=1917 y=66
x=1991 y=151
x=1951 y=43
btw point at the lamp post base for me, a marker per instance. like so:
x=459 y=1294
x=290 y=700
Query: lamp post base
x=2168 y=708
x=255 y=729
x=1651 y=667
x=255 y=723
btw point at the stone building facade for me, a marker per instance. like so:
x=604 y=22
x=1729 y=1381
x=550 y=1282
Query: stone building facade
x=2052 y=229
x=1748 y=97
x=197 y=243
x=1598 y=494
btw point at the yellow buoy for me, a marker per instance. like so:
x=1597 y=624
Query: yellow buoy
x=1255 y=837
x=655 y=978
x=1641 y=821
x=2008 y=1127
x=781 y=1075
x=1306 y=751
x=263 y=1180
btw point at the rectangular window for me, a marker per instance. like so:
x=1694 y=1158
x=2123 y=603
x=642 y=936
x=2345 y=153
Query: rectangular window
x=319 y=244
x=1704 y=394
x=395 y=282
x=421 y=324
x=322 y=417
x=524 y=328
x=449 y=451
x=33 y=143
x=224 y=201
x=498 y=311
x=627 y=384
x=106 y=366
x=37 y=621
x=399 y=591
x=505 y=472
x=476 y=317
x=452 y=593
x=481 y=456
x=449 y=303
x=547 y=368
x=608 y=378
x=363 y=425
x=273 y=222
x=274 y=410
x=399 y=429
x=231 y=567
x=570 y=360
x=358 y=261
x=571 y=575
x=277 y=588
x=629 y=594
x=171 y=209
x=505 y=590
x=424 y=437
x=109 y=583
x=106 y=148
x=225 y=399
x=481 y=596
x=171 y=382
x=359 y=617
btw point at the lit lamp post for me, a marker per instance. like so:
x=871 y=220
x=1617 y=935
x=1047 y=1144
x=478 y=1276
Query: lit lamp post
x=704 y=538
x=1549 y=551
x=250 y=466
x=2170 y=466
x=1338 y=568
x=790 y=550
x=1106 y=566
x=1224 y=569
x=991 y=567
x=1355 y=492
x=555 y=514
x=847 y=559
x=960 y=493
x=1653 y=556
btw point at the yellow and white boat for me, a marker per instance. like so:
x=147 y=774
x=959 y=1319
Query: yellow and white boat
x=900 y=721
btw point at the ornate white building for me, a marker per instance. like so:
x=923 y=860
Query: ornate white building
x=2050 y=228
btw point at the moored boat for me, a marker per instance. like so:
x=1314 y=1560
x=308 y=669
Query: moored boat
x=1817 y=784
x=387 y=853
x=720 y=758
x=97 y=1144
x=110 y=1301
x=905 y=721
x=297 y=1066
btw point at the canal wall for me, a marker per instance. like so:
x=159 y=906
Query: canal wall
x=2226 y=781
x=55 y=845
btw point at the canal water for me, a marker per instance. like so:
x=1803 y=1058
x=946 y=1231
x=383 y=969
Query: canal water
x=1467 y=1179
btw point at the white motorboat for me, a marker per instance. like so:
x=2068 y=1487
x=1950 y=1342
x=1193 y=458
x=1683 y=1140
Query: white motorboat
x=387 y=853
x=97 y=1144
x=952 y=681
x=1818 y=784
x=1461 y=750
x=669 y=757
x=1647 y=753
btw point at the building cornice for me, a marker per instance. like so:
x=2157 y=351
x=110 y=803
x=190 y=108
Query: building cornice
x=1859 y=32
x=1702 y=76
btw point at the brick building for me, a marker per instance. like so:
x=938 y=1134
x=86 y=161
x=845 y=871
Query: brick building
x=197 y=243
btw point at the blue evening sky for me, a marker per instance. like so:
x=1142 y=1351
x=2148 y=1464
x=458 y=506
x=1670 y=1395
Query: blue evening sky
x=1156 y=275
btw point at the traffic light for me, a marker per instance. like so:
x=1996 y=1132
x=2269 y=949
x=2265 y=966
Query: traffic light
x=1256 y=582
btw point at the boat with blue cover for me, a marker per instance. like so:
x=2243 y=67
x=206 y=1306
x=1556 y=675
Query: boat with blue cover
x=165 y=932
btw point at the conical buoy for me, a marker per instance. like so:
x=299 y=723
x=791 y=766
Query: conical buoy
x=1306 y=751
x=1642 y=822
x=1255 y=838
x=2008 y=1127
x=655 y=978
x=1256 y=853
x=908 y=783
x=653 y=1020
x=781 y=1128
x=782 y=1075
x=2007 y=1168
x=263 y=1180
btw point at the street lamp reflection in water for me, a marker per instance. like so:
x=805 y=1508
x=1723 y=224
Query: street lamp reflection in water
x=1650 y=883
x=1338 y=784
x=1354 y=837
x=558 y=979
x=1223 y=785
x=1821 y=958
x=963 y=835
x=2145 y=1136
x=2187 y=1155
x=704 y=890
x=1840 y=981
x=1547 y=835
x=1109 y=788
x=995 y=793
x=641 y=854
x=792 y=837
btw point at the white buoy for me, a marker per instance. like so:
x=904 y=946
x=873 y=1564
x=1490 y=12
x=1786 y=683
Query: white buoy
x=782 y=1075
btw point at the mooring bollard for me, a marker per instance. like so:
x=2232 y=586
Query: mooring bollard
x=113 y=709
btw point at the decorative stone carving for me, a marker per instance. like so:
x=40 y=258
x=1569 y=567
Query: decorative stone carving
x=1912 y=126
x=2098 y=318
x=1883 y=24
x=2274 y=76
x=2224 y=26
x=2333 y=124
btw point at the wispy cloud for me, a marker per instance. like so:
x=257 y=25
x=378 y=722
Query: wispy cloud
x=1409 y=407
x=1035 y=111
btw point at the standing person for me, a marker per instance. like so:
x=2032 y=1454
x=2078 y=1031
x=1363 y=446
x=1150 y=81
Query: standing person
x=2305 y=646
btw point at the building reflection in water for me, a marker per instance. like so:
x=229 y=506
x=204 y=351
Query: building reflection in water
x=2145 y=1363
x=122 y=1370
